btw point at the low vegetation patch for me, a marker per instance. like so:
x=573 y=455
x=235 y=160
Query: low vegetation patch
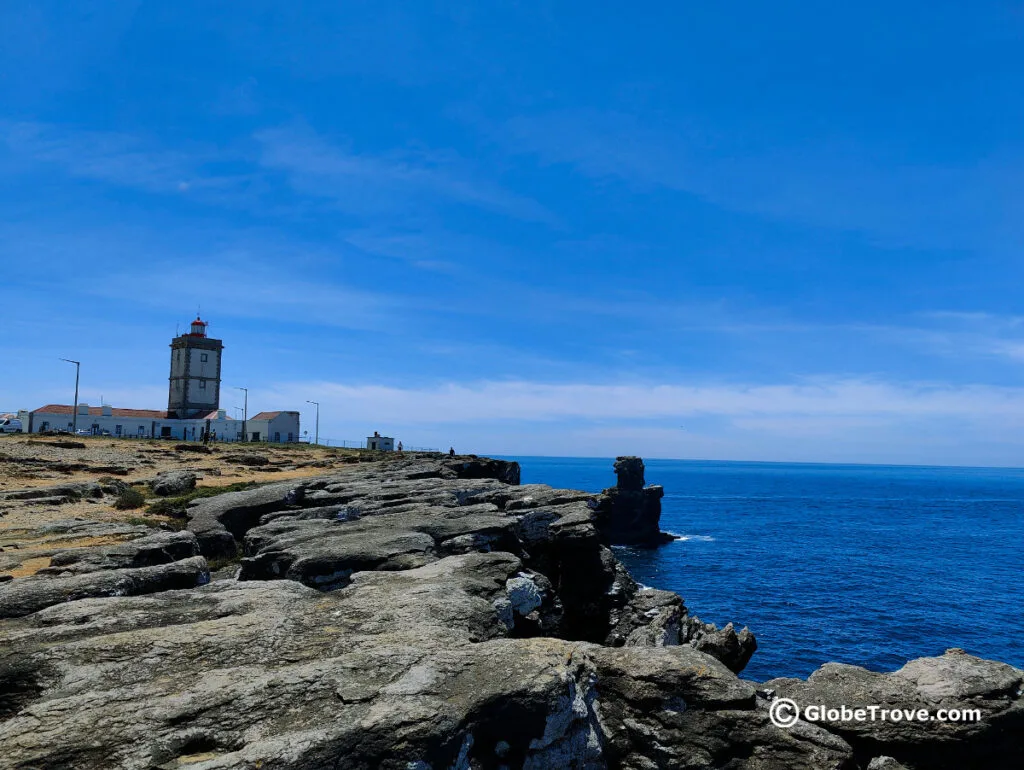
x=140 y=521
x=61 y=444
x=129 y=499
x=253 y=460
x=223 y=562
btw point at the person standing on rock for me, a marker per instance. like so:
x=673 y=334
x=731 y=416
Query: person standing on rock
x=451 y=451
x=399 y=446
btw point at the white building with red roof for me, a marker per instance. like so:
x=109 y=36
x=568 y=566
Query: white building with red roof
x=132 y=423
x=193 y=404
x=275 y=427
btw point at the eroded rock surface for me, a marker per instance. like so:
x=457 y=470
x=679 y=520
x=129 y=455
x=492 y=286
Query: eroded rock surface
x=630 y=513
x=56 y=494
x=395 y=669
x=147 y=562
x=405 y=514
x=953 y=681
x=411 y=613
x=885 y=763
x=172 y=483
x=58 y=536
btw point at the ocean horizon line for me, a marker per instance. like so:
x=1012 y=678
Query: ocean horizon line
x=647 y=458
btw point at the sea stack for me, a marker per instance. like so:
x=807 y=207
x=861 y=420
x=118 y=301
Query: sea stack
x=630 y=513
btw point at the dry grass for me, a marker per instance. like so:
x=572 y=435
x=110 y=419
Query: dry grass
x=29 y=567
x=30 y=564
x=145 y=459
x=83 y=542
x=31 y=462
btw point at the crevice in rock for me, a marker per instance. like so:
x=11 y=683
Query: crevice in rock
x=21 y=683
x=424 y=475
x=503 y=730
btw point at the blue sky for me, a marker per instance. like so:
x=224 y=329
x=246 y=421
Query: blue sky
x=787 y=231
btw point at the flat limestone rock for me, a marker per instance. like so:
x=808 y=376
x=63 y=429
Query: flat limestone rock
x=954 y=680
x=420 y=613
x=35 y=592
x=399 y=669
x=67 y=492
x=171 y=483
x=149 y=550
x=54 y=537
x=404 y=514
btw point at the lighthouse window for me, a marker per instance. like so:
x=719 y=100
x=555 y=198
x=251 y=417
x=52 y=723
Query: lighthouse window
x=203 y=357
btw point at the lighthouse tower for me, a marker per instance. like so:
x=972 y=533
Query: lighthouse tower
x=195 y=374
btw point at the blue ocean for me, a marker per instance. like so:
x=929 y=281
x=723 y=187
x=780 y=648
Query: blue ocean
x=868 y=565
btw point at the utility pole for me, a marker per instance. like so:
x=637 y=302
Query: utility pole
x=74 y=405
x=317 y=439
x=245 y=412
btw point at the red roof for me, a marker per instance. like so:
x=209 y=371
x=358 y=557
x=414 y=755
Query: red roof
x=270 y=415
x=97 y=411
x=198 y=322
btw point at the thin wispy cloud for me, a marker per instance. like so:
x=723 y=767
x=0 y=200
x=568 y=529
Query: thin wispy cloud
x=438 y=251
x=116 y=158
x=365 y=182
x=959 y=334
x=832 y=184
x=847 y=398
x=831 y=419
x=406 y=180
x=232 y=273
x=260 y=292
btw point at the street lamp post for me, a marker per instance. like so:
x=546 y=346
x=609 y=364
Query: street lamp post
x=317 y=439
x=245 y=412
x=74 y=404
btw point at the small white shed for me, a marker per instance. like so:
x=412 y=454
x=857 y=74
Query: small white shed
x=380 y=443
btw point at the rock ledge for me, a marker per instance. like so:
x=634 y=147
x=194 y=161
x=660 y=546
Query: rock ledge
x=426 y=613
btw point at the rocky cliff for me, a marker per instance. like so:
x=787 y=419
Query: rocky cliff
x=630 y=512
x=422 y=613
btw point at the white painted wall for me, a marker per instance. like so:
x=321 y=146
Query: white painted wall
x=380 y=443
x=199 y=368
x=276 y=430
x=226 y=429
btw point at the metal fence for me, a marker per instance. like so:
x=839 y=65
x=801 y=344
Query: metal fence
x=126 y=436
x=327 y=442
x=350 y=444
x=343 y=443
